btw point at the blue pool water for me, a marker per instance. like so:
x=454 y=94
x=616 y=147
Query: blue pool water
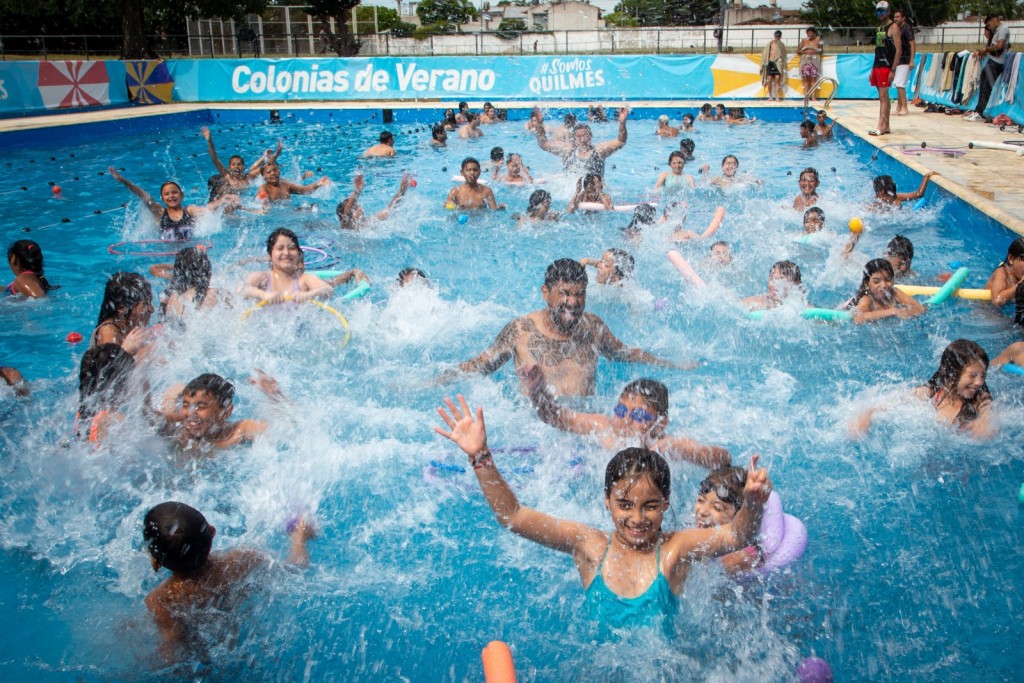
x=914 y=532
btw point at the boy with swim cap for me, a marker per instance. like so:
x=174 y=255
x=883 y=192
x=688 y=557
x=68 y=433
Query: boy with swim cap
x=471 y=194
x=179 y=538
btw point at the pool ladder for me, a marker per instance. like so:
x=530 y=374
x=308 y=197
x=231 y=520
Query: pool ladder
x=814 y=89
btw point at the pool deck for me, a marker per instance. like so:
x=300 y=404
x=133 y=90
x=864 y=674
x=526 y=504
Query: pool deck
x=990 y=180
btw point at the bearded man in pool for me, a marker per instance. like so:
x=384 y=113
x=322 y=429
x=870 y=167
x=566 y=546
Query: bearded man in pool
x=563 y=340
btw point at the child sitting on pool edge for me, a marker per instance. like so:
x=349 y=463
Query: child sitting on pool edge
x=632 y=576
x=471 y=194
x=178 y=538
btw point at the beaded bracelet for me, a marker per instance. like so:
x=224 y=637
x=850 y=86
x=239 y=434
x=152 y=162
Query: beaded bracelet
x=482 y=459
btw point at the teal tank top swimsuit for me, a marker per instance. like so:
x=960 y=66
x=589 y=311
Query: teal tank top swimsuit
x=654 y=605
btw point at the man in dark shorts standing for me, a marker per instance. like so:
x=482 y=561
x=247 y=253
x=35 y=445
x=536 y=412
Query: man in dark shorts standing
x=995 y=50
x=887 y=55
x=773 y=67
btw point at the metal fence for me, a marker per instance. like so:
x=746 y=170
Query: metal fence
x=296 y=38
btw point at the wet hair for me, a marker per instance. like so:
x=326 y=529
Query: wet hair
x=1018 y=300
x=437 y=129
x=406 y=272
x=902 y=247
x=581 y=126
x=30 y=257
x=103 y=378
x=719 y=243
x=719 y=106
x=468 y=160
x=687 y=117
x=590 y=179
x=463 y=106
x=643 y=215
x=213 y=184
x=171 y=182
x=177 y=536
x=650 y=390
x=705 y=108
x=877 y=265
x=636 y=462
x=449 y=118
x=813 y=171
x=569 y=120
x=285 y=232
x=215 y=385
x=1016 y=250
x=565 y=270
x=727 y=483
x=686 y=145
x=955 y=358
x=269 y=165
x=538 y=199
x=815 y=211
x=387 y=137
x=787 y=270
x=488 y=105
x=807 y=125
x=596 y=113
x=623 y=260
x=192 y=270
x=884 y=184
x=730 y=156
x=122 y=293
x=673 y=155
x=497 y=154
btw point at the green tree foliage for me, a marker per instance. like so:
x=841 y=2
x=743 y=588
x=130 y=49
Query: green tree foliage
x=619 y=19
x=446 y=14
x=510 y=28
x=132 y=19
x=340 y=10
x=1009 y=9
x=665 y=12
x=839 y=13
x=387 y=20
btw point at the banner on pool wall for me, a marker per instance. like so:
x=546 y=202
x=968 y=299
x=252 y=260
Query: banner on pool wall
x=499 y=78
x=35 y=86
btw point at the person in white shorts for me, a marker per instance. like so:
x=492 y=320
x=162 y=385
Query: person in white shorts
x=906 y=61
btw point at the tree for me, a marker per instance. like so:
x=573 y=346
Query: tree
x=323 y=11
x=643 y=12
x=446 y=14
x=840 y=13
x=619 y=19
x=689 y=12
x=510 y=28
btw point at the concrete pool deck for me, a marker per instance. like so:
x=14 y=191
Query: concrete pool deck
x=990 y=180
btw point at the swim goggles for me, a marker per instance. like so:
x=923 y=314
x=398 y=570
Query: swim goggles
x=723 y=492
x=636 y=415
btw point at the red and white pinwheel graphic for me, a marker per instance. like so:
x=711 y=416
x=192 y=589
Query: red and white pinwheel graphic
x=73 y=84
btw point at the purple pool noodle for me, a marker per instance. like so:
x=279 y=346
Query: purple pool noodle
x=814 y=670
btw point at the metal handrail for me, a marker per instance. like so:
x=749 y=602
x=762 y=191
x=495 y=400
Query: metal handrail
x=814 y=89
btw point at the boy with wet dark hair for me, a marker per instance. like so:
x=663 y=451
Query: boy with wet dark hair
x=197 y=414
x=178 y=538
x=471 y=194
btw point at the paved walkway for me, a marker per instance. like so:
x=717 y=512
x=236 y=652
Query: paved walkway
x=990 y=180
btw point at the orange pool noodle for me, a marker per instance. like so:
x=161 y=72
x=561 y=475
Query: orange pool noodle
x=498 y=665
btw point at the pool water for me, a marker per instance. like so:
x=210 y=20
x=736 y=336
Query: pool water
x=915 y=541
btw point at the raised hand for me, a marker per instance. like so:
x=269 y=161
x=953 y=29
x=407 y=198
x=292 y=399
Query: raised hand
x=467 y=433
x=758 y=486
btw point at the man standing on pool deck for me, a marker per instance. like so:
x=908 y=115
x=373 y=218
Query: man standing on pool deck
x=996 y=53
x=774 y=65
x=906 y=62
x=888 y=52
x=579 y=155
x=562 y=340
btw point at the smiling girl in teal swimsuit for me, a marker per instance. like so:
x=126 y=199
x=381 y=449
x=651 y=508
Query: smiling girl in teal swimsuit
x=633 y=575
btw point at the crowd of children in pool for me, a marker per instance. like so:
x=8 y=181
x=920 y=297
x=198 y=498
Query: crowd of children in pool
x=631 y=575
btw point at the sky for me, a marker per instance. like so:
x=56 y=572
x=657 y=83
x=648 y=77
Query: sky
x=604 y=5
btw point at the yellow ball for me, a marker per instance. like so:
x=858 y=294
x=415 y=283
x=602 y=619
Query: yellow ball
x=856 y=225
x=450 y=206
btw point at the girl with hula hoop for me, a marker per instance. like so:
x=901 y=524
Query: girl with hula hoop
x=286 y=280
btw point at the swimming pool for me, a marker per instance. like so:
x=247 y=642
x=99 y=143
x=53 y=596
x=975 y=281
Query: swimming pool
x=914 y=546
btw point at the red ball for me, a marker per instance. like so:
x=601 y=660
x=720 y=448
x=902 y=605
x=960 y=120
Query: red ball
x=412 y=182
x=73 y=338
x=56 y=189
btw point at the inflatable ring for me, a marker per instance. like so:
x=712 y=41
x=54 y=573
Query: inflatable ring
x=782 y=537
x=323 y=255
x=318 y=304
x=972 y=294
x=946 y=290
x=126 y=247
